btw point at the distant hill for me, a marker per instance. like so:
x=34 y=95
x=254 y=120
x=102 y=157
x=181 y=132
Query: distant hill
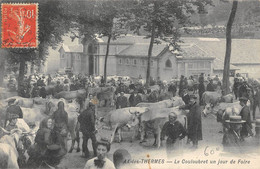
x=246 y=24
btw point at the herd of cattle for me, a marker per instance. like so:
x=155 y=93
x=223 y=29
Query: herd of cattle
x=145 y=117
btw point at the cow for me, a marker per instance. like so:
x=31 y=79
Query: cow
x=69 y=95
x=121 y=117
x=36 y=115
x=8 y=148
x=215 y=109
x=215 y=97
x=23 y=102
x=175 y=101
x=154 y=119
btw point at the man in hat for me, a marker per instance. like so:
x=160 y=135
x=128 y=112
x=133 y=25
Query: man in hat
x=12 y=109
x=35 y=91
x=134 y=99
x=245 y=115
x=210 y=86
x=201 y=88
x=181 y=85
x=186 y=96
x=121 y=101
x=232 y=136
x=194 y=121
x=256 y=101
x=175 y=131
x=87 y=121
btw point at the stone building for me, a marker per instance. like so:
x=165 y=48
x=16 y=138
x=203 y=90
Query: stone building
x=128 y=57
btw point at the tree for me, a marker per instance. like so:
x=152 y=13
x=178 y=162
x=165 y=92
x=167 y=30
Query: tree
x=99 y=19
x=228 y=47
x=53 y=23
x=159 y=18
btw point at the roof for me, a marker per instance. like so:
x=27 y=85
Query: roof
x=244 y=51
x=192 y=51
x=218 y=64
x=73 y=48
x=141 y=50
x=128 y=39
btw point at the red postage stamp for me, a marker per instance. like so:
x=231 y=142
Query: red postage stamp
x=19 y=25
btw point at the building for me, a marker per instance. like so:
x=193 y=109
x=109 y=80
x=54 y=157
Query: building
x=128 y=56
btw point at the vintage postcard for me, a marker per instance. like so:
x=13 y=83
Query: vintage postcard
x=151 y=84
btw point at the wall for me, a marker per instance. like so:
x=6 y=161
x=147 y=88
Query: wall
x=167 y=73
x=133 y=67
x=252 y=70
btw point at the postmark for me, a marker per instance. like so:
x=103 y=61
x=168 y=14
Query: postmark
x=19 y=25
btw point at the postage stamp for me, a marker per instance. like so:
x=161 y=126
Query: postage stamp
x=19 y=25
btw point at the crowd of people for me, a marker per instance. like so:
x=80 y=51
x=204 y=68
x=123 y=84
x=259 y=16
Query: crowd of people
x=51 y=142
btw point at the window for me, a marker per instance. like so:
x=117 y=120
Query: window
x=143 y=62
x=127 y=61
x=135 y=62
x=120 y=61
x=151 y=62
x=190 y=65
x=168 y=63
x=62 y=56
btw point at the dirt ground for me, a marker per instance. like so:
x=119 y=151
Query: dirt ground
x=210 y=148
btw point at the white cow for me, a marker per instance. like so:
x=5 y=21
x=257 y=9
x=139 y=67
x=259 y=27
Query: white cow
x=121 y=117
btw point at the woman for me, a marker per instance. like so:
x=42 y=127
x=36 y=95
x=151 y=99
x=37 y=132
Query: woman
x=44 y=150
x=60 y=118
x=101 y=161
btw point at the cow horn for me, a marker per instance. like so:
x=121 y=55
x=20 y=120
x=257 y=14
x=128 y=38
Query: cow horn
x=130 y=112
x=5 y=131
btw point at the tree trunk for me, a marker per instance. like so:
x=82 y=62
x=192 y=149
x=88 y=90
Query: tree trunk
x=2 y=70
x=107 y=52
x=150 y=50
x=228 y=48
x=21 y=72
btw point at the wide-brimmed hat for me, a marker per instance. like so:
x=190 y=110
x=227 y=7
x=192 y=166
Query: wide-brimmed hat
x=243 y=99
x=235 y=119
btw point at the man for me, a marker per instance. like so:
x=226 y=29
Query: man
x=201 y=91
x=256 y=101
x=174 y=131
x=245 y=115
x=181 y=85
x=134 y=99
x=87 y=127
x=172 y=88
x=210 y=86
x=58 y=88
x=194 y=121
x=12 y=109
x=186 y=96
x=43 y=92
x=121 y=101
x=35 y=91
x=232 y=136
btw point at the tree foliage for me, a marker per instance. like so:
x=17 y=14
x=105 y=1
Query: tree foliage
x=161 y=19
x=53 y=23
